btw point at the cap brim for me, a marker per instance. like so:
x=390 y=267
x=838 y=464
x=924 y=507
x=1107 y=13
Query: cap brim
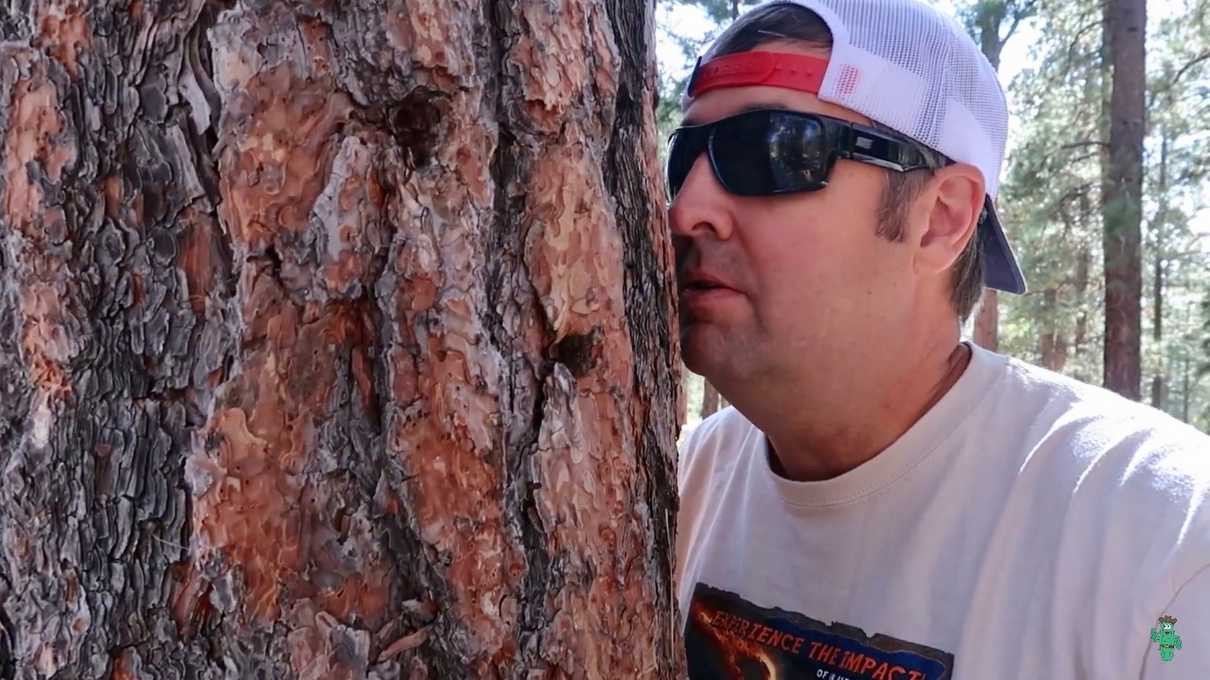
x=1000 y=268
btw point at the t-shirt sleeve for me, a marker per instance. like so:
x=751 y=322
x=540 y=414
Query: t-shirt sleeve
x=1188 y=651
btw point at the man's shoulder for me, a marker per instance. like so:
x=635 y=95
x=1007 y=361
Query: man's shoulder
x=1033 y=381
x=727 y=425
x=1094 y=416
x=717 y=439
x=1081 y=439
x=1126 y=486
x=722 y=421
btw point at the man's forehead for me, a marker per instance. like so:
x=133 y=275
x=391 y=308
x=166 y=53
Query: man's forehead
x=726 y=102
x=757 y=105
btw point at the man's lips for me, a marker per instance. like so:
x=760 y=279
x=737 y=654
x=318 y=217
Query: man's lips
x=699 y=301
x=701 y=289
x=701 y=280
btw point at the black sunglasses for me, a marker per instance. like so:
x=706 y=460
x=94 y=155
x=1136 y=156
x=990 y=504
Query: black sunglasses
x=768 y=152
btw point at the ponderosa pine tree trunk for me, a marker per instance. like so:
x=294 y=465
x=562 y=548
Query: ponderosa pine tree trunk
x=1126 y=23
x=335 y=341
x=710 y=398
x=987 y=320
x=993 y=23
x=1159 y=382
x=987 y=20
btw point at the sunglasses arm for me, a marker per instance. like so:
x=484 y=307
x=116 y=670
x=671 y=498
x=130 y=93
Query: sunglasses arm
x=871 y=146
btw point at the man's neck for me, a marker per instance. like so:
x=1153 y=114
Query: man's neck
x=821 y=443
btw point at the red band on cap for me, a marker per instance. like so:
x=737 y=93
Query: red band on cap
x=774 y=69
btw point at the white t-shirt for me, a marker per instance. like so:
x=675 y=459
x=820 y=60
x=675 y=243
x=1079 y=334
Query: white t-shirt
x=1027 y=526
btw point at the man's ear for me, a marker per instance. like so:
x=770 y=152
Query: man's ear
x=952 y=202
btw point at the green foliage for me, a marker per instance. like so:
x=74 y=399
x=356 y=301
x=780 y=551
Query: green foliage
x=1051 y=197
x=1050 y=194
x=718 y=14
x=1176 y=174
x=991 y=23
x=1203 y=369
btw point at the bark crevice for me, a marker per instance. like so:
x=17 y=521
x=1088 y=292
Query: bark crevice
x=15 y=24
x=644 y=233
x=414 y=121
x=528 y=378
x=8 y=633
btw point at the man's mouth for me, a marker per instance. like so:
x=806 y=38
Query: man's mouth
x=703 y=285
x=702 y=280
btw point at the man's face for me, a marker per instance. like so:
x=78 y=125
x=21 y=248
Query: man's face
x=817 y=292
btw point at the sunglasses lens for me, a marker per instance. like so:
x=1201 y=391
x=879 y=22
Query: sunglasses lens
x=769 y=152
x=683 y=150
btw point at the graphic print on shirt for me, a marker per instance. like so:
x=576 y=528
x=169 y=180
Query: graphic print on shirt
x=729 y=638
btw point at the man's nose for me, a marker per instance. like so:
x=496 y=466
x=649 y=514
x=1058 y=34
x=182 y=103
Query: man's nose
x=702 y=208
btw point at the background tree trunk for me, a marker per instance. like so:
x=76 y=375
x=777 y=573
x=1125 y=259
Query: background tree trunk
x=335 y=341
x=1126 y=23
x=1159 y=383
x=988 y=17
x=709 y=399
x=992 y=23
x=683 y=403
x=1052 y=341
x=987 y=320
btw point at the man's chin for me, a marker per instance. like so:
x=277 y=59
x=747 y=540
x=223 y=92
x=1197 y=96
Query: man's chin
x=703 y=348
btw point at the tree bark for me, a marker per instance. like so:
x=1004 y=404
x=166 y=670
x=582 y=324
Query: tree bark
x=1083 y=265
x=336 y=341
x=1052 y=343
x=1122 y=197
x=987 y=320
x=1185 y=392
x=1159 y=387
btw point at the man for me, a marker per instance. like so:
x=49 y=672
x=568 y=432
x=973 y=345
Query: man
x=883 y=500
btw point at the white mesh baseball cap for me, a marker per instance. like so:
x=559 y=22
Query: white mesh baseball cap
x=912 y=68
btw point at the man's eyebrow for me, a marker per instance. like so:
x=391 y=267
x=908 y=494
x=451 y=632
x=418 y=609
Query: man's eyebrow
x=754 y=106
